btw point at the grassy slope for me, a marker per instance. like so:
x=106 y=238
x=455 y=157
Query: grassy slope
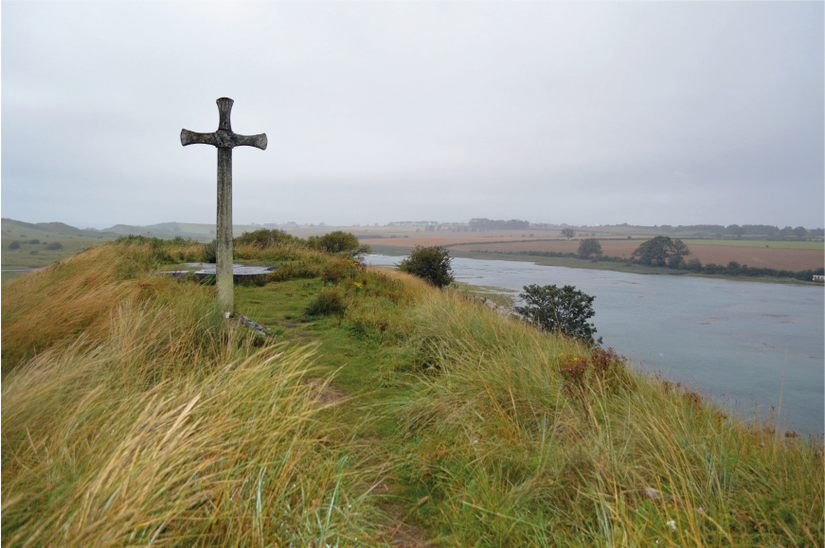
x=131 y=412
x=74 y=240
x=36 y=255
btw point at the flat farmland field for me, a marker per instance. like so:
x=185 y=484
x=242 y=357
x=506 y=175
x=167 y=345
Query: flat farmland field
x=755 y=253
x=820 y=245
x=764 y=257
x=408 y=237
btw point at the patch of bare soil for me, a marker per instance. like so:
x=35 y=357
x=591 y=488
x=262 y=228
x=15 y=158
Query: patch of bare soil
x=325 y=393
x=299 y=337
x=408 y=536
x=399 y=531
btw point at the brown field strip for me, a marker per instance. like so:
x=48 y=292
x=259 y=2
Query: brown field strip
x=784 y=259
x=426 y=240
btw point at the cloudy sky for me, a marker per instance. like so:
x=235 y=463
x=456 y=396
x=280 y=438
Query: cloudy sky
x=559 y=112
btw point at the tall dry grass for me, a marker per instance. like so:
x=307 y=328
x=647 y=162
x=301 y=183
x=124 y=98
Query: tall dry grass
x=511 y=445
x=133 y=414
x=77 y=296
x=147 y=422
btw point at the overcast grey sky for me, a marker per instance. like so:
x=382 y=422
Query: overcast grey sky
x=560 y=112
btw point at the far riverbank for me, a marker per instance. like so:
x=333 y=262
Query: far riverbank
x=569 y=262
x=745 y=346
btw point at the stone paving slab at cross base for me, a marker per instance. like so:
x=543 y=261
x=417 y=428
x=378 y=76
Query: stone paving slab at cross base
x=239 y=270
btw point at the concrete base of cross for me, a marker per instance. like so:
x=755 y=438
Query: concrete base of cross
x=240 y=271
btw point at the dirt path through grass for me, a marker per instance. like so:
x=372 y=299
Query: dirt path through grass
x=364 y=397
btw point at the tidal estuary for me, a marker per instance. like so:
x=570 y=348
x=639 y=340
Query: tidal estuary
x=747 y=345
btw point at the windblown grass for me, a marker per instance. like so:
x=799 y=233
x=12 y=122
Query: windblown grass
x=507 y=446
x=79 y=295
x=157 y=425
x=133 y=414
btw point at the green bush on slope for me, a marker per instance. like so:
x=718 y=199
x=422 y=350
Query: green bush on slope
x=429 y=263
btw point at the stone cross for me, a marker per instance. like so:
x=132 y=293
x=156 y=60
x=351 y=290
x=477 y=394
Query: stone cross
x=224 y=139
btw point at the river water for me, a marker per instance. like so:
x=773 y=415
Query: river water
x=745 y=344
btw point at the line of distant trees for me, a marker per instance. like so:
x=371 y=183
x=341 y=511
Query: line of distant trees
x=768 y=232
x=492 y=224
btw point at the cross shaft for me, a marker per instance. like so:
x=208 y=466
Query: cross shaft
x=224 y=139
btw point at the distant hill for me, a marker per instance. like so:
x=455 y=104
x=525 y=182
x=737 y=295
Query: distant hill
x=35 y=245
x=20 y=229
x=162 y=230
x=173 y=230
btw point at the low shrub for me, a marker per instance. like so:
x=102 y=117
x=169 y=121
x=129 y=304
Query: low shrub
x=602 y=367
x=342 y=269
x=431 y=264
x=210 y=252
x=339 y=243
x=329 y=300
x=301 y=268
x=264 y=238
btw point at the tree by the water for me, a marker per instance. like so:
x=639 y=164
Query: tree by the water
x=661 y=251
x=565 y=310
x=430 y=263
x=589 y=247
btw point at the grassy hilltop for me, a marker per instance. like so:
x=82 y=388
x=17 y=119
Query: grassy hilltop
x=381 y=411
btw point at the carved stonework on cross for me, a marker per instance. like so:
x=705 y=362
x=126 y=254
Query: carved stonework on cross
x=224 y=139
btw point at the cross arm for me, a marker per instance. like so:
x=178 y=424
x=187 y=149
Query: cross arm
x=223 y=139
